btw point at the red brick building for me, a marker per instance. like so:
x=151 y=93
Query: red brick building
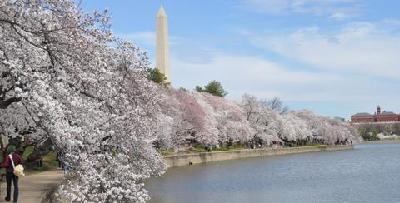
x=384 y=116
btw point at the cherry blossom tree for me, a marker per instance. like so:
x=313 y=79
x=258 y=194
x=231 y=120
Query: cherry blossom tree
x=189 y=123
x=277 y=105
x=326 y=130
x=230 y=120
x=202 y=118
x=65 y=78
x=294 y=128
x=265 y=122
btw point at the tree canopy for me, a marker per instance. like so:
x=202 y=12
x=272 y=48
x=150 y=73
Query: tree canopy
x=214 y=87
x=65 y=78
x=276 y=104
x=156 y=76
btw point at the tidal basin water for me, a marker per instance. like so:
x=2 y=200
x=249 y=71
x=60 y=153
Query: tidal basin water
x=369 y=173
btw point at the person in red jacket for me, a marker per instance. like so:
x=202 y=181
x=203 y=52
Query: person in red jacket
x=10 y=177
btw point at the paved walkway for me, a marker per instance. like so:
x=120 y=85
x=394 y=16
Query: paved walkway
x=34 y=187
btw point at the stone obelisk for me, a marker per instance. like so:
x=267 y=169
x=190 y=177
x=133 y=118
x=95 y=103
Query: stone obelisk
x=162 y=44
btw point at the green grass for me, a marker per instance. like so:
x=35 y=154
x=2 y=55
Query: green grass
x=167 y=152
x=201 y=148
x=230 y=148
x=198 y=148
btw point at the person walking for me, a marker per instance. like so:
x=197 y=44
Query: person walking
x=12 y=160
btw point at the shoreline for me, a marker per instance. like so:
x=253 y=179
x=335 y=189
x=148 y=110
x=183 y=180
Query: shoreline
x=383 y=141
x=204 y=157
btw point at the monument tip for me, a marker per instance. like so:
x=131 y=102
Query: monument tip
x=161 y=12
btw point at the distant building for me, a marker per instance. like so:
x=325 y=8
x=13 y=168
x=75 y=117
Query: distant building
x=379 y=116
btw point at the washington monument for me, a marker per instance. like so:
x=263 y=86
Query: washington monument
x=162 y=44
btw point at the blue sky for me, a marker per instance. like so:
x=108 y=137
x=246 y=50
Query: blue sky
x=335 y=57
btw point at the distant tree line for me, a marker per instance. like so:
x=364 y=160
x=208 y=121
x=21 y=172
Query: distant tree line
x=369 y=132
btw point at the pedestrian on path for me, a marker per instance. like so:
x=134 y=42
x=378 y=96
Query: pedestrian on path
x=13 y=159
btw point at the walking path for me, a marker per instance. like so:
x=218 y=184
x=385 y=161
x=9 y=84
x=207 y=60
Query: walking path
x=33 y=188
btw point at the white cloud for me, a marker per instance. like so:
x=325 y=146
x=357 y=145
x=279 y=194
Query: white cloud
x=337 y=9
x=363 y=48
x=341 y=67
x=266 y=79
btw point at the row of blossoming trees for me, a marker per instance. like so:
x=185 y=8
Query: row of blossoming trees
x=67 y=81
x=192 y=118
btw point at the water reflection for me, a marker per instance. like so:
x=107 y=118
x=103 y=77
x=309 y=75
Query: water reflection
x=369 y=173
